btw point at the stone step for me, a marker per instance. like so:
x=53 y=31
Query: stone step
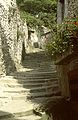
x=45 y=100
x=28 y=85
x=22 y=78
x=15 y=90
x=16 y=108
x=24 y=90
x=24 y=96
x=26 y=77
x=31 y=117
x=35 y=73
x=29 y=95
x=44 y=67
x=37 y=59
x=43 y=94
x=19 y=110
x=45 y=76
x=39 y=63
x=7 y=97
x=19 y=79
x=44 y=89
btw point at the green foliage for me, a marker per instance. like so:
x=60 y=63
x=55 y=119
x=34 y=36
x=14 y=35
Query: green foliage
x=36 y=6
x=56 y=45
x=19 y=2
x=48 y=19
x=38 y=12
x=70 y=27
x=31 y=20
x=63 y=38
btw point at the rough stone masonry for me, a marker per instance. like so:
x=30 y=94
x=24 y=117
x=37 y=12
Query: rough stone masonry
x=13 y=34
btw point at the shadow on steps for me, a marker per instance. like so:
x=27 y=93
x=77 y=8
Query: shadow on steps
x=39 y=78
x=7 y=116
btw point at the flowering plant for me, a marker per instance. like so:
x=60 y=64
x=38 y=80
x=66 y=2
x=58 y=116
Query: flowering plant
x=62 y=39
x=70 y=27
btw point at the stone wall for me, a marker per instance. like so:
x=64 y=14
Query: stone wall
x=65 y=61
x=67 y=8
x=13 y=34
x=73 y=8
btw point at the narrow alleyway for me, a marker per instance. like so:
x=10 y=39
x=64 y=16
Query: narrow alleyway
x=34 y=85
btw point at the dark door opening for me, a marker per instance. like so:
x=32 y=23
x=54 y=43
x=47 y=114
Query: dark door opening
x=73 y=83
x=23 y=51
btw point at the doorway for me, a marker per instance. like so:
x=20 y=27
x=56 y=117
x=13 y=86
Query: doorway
x=73 y=84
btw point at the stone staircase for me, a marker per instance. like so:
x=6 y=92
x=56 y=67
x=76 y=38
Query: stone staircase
x=34 y=85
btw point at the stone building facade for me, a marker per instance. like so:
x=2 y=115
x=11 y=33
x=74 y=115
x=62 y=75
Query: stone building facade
x=67 y=63
x=13 y=34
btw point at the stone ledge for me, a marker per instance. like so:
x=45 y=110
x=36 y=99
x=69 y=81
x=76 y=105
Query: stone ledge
x=66 y=58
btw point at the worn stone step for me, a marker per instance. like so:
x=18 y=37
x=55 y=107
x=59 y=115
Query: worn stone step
x=40 y=64
x=29 y=95
x=28 y=85
x=45 y=69
x=44 y=89
x=16 y=108
x=15 y=90
x=12 y=97
x=21 y=80
x=43 y=94
x=33 y=90
x=34 y=78
x=45 y=100
x=31 y=117
x=35 y=74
